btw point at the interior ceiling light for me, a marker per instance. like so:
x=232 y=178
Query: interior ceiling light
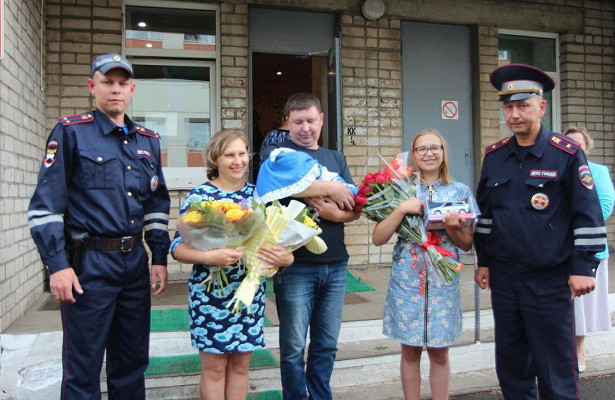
x=372 y=9
x=279 y=73
x=148 y=45
x=142 y=24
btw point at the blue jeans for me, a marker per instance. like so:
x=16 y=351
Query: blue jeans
x=309 y=295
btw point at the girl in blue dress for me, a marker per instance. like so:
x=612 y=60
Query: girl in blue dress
x=418 y=312
x=225 y=340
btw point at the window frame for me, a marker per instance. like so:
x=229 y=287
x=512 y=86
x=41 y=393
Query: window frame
x=188 y=177
x=556 y=116
x=181 y=178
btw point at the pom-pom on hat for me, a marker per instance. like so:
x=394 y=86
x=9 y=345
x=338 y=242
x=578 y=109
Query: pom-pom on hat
x=518 y=82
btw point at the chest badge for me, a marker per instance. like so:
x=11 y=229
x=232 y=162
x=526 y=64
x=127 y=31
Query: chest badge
x=153 y=183
x=540 y=201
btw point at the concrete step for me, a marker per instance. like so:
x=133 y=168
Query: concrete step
x=364 y=356
x=367 y=362
x=369 y=368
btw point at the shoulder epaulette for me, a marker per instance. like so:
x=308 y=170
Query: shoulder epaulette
x=565 y=143
x=146 y=132
x=497 y=145
x=76 y=119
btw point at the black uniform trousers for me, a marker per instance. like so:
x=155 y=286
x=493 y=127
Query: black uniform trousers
x=113 y=313
x=534 y=334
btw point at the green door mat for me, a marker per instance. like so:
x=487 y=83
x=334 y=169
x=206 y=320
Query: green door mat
x=354 y=284
x=268 y=395
x=191 y=363
x=174 y=319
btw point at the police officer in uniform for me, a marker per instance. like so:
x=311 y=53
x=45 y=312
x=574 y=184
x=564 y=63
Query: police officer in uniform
x=100 y=191
x=535 y=241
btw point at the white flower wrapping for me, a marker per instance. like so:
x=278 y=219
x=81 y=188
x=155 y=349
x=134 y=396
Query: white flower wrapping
x=220 y=234
x=210 y=236
x=281 y=228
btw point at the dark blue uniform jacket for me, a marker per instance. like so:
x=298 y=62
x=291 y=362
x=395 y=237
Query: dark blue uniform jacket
x=540 y=210
x=97 y=179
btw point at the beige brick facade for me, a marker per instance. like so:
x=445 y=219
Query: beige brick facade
x=22 y=120
x=234 y=68
x=371 y=103
x=588 y=82
x=77 y=30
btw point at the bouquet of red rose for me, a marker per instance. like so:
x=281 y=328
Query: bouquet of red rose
x=381 y=192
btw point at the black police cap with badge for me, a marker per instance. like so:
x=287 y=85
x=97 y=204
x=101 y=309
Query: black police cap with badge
x=107 y=62
x=518 y=82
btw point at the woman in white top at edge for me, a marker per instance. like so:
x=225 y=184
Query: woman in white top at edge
x=591 y=311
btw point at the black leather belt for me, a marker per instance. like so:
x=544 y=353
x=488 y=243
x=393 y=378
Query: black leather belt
x=125 y=244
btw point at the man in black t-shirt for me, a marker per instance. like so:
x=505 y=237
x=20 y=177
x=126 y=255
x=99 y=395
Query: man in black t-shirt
x=311 y=292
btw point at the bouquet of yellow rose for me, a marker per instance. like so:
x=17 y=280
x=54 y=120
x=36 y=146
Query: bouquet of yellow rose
x=289 y=226
x=209 y=225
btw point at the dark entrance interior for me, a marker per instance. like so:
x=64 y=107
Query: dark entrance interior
x=275 y=77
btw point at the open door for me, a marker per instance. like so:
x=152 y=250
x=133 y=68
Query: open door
x=287 y=58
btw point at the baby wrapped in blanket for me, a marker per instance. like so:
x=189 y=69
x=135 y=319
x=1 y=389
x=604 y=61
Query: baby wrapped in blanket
x=287 y=172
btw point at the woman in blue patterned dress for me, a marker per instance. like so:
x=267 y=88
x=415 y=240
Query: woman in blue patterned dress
x=417 y=311
x=225 y=340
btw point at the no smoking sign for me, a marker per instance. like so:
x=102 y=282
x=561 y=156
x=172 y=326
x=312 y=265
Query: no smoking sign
x=450 y=109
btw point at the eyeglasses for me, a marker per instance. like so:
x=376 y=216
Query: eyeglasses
x=435 y=150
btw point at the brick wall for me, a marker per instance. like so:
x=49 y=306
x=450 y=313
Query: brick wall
x=486 y=107
x=371 y=108
x=77 y=31
x=22 y=118
x=588 y=82
x=234 y=65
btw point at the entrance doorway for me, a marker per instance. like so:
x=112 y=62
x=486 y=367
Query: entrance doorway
x=275 y=77
x=287 y=57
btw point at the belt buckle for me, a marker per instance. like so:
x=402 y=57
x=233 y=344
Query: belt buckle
x=126 y=244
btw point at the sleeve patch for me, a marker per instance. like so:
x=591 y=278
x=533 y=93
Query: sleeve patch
x=50 y=154
x=497 y=145
x=146 y=132
x=76 y=119
x=565 y=143
x=585 y=176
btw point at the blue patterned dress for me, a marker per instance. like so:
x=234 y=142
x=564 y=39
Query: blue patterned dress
x=213 y=327
x=434 y=318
